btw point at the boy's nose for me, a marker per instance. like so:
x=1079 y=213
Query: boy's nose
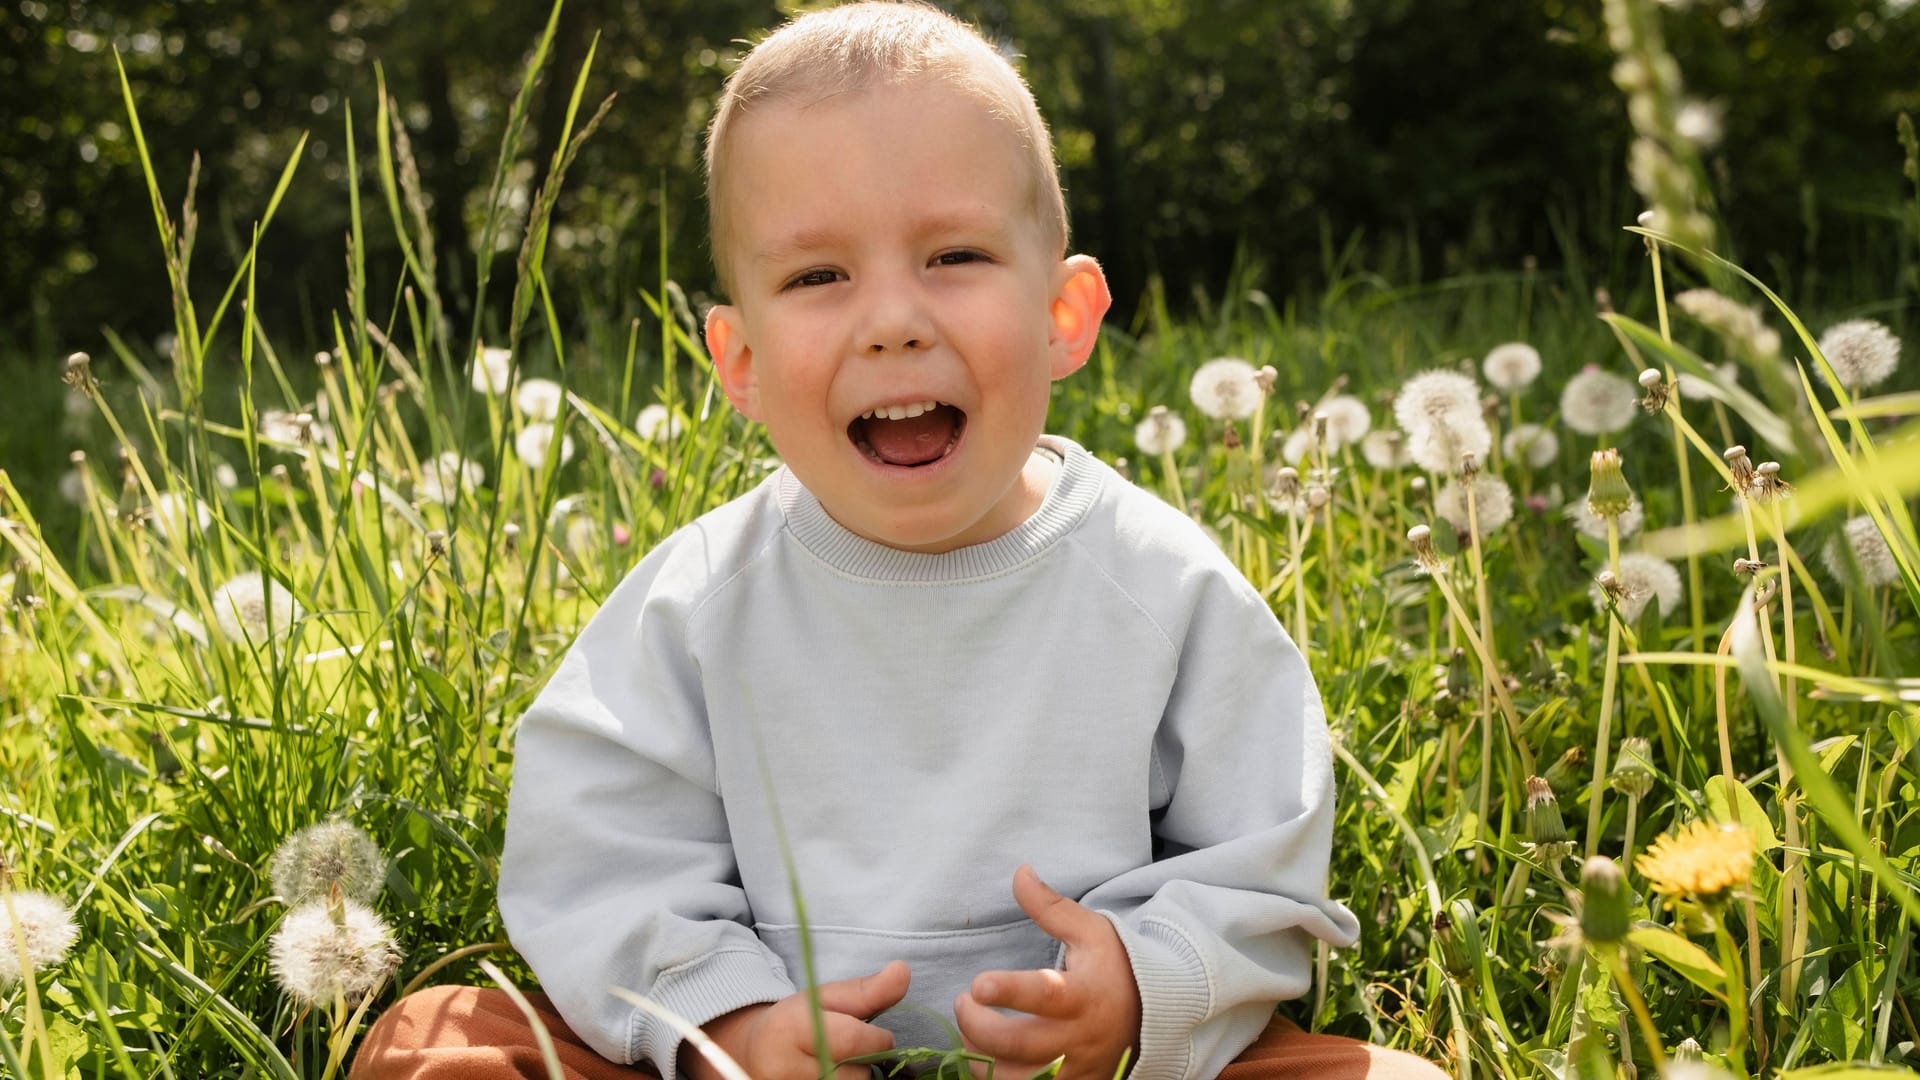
x=898 y=321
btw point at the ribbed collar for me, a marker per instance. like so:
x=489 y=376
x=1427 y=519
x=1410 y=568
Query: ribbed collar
x=1075 y=485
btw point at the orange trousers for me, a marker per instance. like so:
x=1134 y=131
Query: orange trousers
x=475 y=1033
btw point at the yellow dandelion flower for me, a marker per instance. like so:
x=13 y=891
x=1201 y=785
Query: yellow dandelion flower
x=1701 y=860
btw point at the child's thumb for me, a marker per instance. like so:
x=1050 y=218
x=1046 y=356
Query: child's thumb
x=867 y=995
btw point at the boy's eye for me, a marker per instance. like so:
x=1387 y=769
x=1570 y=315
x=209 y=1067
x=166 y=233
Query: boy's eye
x=814 y=277
x=957 y=258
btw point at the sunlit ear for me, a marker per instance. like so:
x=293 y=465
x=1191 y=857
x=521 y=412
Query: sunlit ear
x=733 y=358
x=1078 y=307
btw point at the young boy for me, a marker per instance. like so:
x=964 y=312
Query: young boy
x=943 y=650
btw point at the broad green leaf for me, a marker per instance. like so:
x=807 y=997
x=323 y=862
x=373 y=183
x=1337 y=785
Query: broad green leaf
x=1831 y=749
x=1840 y=1016
x=1683 y=956
x=1750 y=814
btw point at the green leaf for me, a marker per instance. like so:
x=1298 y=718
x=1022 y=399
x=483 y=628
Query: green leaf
x=1839 y=1017
x=1683 y=956
x=1751 y=814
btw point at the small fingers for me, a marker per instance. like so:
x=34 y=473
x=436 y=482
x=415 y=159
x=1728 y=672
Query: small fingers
x=849 y=1037
x=1042 y=992
x=1009 y=1038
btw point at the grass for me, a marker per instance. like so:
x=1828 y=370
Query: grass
x=152 y=762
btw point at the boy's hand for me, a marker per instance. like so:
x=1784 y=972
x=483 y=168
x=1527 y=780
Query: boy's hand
x=775 y=1042
x=1090 y=1011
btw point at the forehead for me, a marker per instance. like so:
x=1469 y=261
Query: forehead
x=913 y=157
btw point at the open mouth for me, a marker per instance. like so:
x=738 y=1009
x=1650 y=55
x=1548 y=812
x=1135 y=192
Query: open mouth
x=908 y=436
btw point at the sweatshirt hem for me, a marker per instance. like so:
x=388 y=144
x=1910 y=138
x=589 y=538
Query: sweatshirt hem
x=1176 y=996
x=699 y=992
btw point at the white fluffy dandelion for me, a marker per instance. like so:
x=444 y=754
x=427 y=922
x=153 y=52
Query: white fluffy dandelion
x=1741 y=323
x=534 y=442
x=655 y=424
x=1437 y=398
x=1385 y=449
x=73 y=484
x=1699 y=122
x=47 y=926
x=310 y=862
x=278 y=426
x=1348 y=420
x=316 y=957
x=1162 y=432
x=1440 y=448
x=241 y=607
x=170 y=510
x=1492 y=503
x=492 y=369
x=1511 y=366
x=1597 y=402
x=1642 y=578
x=1877 y=564
x=1534 y=446
x=1862 y=352
x=1694 y=388
x=1225 y=389
x=539 y=399
x=447 y=474
x=1594 y=526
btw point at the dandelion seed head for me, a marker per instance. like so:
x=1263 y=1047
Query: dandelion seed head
x=1348 y=421
x=1694 y=388
x=1877 y=564
x=1162 y=432
x=314 y=958
x=1597 y=402
x=1641 y=578
x=1594 y=526
x=1699 y=122
x=447 y=475
x=1534 y=446
x=1740 y=323
x=1225 y=388
x=539 y=399
x=277 y=426
x=1440 y=448
x=241 y=608
x=1385 y=449
x=310 y=862
x=655 y=424
x=168 y=515
x=1492 y=503
x=492 y=369
x=48 y=927
x=1862 y=352
x=1511 y=366
x=73 y=484
x=1437 y=398
x=534 y=442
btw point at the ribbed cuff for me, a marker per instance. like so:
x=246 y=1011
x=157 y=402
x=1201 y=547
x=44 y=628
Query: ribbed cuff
x=698 y=992
x=1175 y=996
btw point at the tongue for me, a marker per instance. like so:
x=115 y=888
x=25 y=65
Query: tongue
x=913 y=441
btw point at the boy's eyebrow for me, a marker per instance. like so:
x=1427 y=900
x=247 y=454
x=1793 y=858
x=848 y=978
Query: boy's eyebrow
x=989 y=226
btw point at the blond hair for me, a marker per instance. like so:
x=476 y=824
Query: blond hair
x=859 y=46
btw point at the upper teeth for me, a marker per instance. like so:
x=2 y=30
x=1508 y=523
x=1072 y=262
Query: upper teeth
x=899 y=412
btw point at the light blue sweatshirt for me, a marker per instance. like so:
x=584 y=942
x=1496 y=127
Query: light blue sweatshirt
x=1098 y=692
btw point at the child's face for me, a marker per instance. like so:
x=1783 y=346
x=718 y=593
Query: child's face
x=887 y=251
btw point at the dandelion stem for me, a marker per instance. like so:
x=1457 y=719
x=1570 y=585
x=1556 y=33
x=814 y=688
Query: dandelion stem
x=1486 y=633
x=1608 y=676
x=1489 y=671
x=1623 y=978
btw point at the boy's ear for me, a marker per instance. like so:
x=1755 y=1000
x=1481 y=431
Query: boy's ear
x=733 y=358
x=1078 y=306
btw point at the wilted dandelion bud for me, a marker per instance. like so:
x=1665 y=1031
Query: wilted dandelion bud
x=1633 y=769
x=1659 y=391
x=1160 y=433
x=1862 y=352
x=1283 y=489
x=1741 y=466
x=510 y=536
x=46 y=925
x=1317 y=497
x=303 y=427
x=1604 y=903
x=1421 y=538
x=1645 y=218
x=1469 y=466
x=1611 y=589
x=77 y=373
x=1417 y=485
x=436 y=544
x=1642 y=577
x=1456 y=938
x=323 y=358
x=1608 y=495
x=1546 y=831
x=24 y=599
x=332 y=947
x=1565 y=773
x=1265 y=377
x=321 y=857
x=1689 y=1051
x=1767 y=485
x=1459 y=674
x=1744 y=567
